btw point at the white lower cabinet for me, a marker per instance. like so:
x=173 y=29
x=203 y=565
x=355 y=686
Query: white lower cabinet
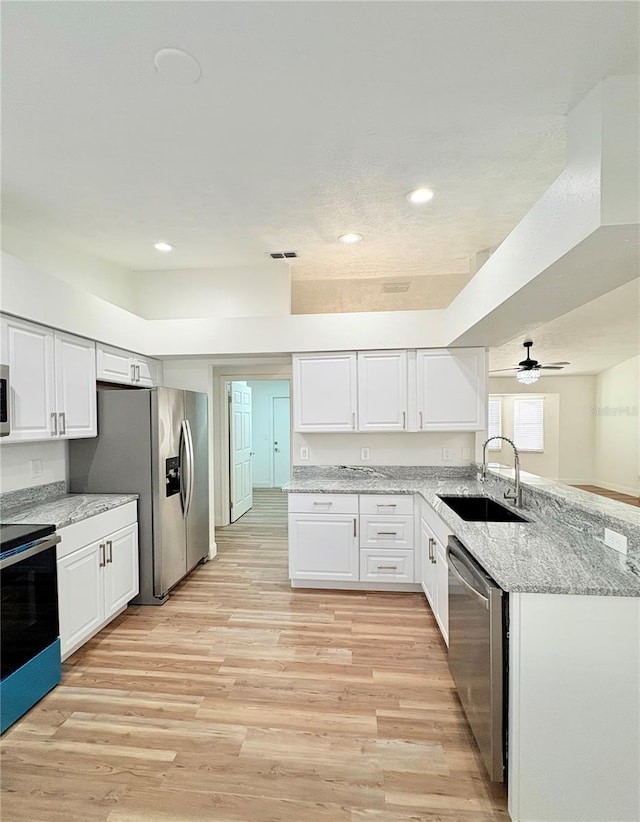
x=434 y=567
x=98 y=579
x=330 y=541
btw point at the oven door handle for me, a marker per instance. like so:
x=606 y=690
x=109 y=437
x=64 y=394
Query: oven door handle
x=473 y=591
x=42 y=545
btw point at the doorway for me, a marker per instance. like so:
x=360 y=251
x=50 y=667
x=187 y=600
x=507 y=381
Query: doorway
x=259 y=440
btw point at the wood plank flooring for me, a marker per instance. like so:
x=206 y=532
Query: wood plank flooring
x=240 y=700
x=604 y=492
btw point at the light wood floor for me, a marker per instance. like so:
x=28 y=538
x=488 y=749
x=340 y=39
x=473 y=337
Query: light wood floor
x=240 y=700
x=604 y=492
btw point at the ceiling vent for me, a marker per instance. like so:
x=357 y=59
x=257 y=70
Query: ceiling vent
x=283 y=255
x=395 y=288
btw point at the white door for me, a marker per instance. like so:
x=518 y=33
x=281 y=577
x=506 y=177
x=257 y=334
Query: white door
x=323 y=547
x=241 y=480
x=80 y=594
x=325 y=392
x=121 y=577
x=382 y=391
x=115 y=365
x=451 y=389
x=428 y=548
x=281 y=416
x=28 y=350
x=75 y=386
x=442 y=590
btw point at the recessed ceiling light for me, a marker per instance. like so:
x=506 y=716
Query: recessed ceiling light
x=163 y=247
x=420 y=196
x=349 y=239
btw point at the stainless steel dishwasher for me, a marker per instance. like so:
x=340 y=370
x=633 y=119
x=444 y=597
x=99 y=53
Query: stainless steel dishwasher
x=478 y=652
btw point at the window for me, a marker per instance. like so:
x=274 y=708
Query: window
x=494 y=424
x=528 y=423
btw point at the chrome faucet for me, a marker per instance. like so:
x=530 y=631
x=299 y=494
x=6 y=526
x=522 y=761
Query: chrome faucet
x=516 y=497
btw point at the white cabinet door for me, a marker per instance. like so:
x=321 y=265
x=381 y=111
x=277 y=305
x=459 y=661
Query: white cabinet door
x=28 y=350
x=75 y=372
x=80 y=595
x=382 y=390
x=147 y=372
x=427 y=546
x=325 y=392
x=442 y=590
x=323 y=547
x=114 y=365
x=121 y=571
x=451 y=388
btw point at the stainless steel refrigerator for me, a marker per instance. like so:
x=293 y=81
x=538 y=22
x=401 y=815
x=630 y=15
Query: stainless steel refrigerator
x=152 y=442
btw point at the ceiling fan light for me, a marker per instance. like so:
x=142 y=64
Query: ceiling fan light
x=529 y=376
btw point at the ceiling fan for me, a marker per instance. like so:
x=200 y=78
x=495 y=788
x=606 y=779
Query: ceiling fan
x=528 y=370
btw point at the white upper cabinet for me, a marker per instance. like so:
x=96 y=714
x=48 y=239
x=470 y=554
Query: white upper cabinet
x=53 y=382
x=325 y=392
x=382 y=391
x=451 y=389
x=117 y=365
x=75 y=386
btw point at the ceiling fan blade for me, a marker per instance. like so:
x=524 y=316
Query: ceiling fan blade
x=562 y=362
x=553 y=367
x=497 y=370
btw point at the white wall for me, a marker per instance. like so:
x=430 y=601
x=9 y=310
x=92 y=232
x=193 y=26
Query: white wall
x=394 y=448
x=262 y=291
x=107 y=280
x=617 y=435
x=262 y=394
x=15 y=464
x=569 y=426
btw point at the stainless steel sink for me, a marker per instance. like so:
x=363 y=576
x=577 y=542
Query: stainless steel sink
x=481 y=509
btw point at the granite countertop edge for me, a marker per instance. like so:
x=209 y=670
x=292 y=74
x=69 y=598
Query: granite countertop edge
x=521 y=557
x=66 y=509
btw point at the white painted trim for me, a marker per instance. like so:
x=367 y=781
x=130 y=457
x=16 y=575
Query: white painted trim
x=620 y=489
x=347 y=585
x=213 y=551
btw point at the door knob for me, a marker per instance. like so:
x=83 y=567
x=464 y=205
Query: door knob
x=276 y=449
x=252 y=453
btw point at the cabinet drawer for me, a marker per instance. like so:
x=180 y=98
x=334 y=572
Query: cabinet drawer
x=387 y=504
x=323 y=503
x=386 y=532
x=95 y=528
x=392 y=566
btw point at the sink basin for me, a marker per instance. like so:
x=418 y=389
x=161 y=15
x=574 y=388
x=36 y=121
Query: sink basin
x=481 y=509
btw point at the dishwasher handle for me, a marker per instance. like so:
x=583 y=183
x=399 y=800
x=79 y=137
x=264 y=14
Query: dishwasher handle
x=458 y=561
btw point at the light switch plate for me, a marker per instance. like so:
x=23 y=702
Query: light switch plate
x=446 y=455
x=365 y=454
x=615 y=540
x=304 y=453
x=36 y=468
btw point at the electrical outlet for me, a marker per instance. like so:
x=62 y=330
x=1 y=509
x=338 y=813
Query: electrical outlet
x=615 y=540
x=304 y=453
x=466 y=453
x=36 y=468
x=446 y=455
x=365 y=454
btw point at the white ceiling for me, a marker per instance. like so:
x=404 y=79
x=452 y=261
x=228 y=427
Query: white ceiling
x=310 y=119
x=592 y=338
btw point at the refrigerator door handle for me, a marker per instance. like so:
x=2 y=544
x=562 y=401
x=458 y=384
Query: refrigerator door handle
x=185 y=470
x=191 y=465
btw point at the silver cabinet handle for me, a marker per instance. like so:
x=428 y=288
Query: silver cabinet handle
x=133 y=372
x=387 y=533
x=110 y=545
x=323 y=503
x=103 y=556
x=432 y=550
x=353 y=420
x=63 y=423
x=420 y=414
x=386 y=505
x=54 y=424
x=404 y=420
x=138 y=373
x=355 y=533
x=387 y=567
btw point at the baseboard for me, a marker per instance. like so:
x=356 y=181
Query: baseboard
x=619 y=489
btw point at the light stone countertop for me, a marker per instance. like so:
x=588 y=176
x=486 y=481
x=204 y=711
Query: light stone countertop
x=64 y=509
x=544 y=555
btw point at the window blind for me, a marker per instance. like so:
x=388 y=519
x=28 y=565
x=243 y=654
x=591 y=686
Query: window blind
x=528 y=423
x=494 y=423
